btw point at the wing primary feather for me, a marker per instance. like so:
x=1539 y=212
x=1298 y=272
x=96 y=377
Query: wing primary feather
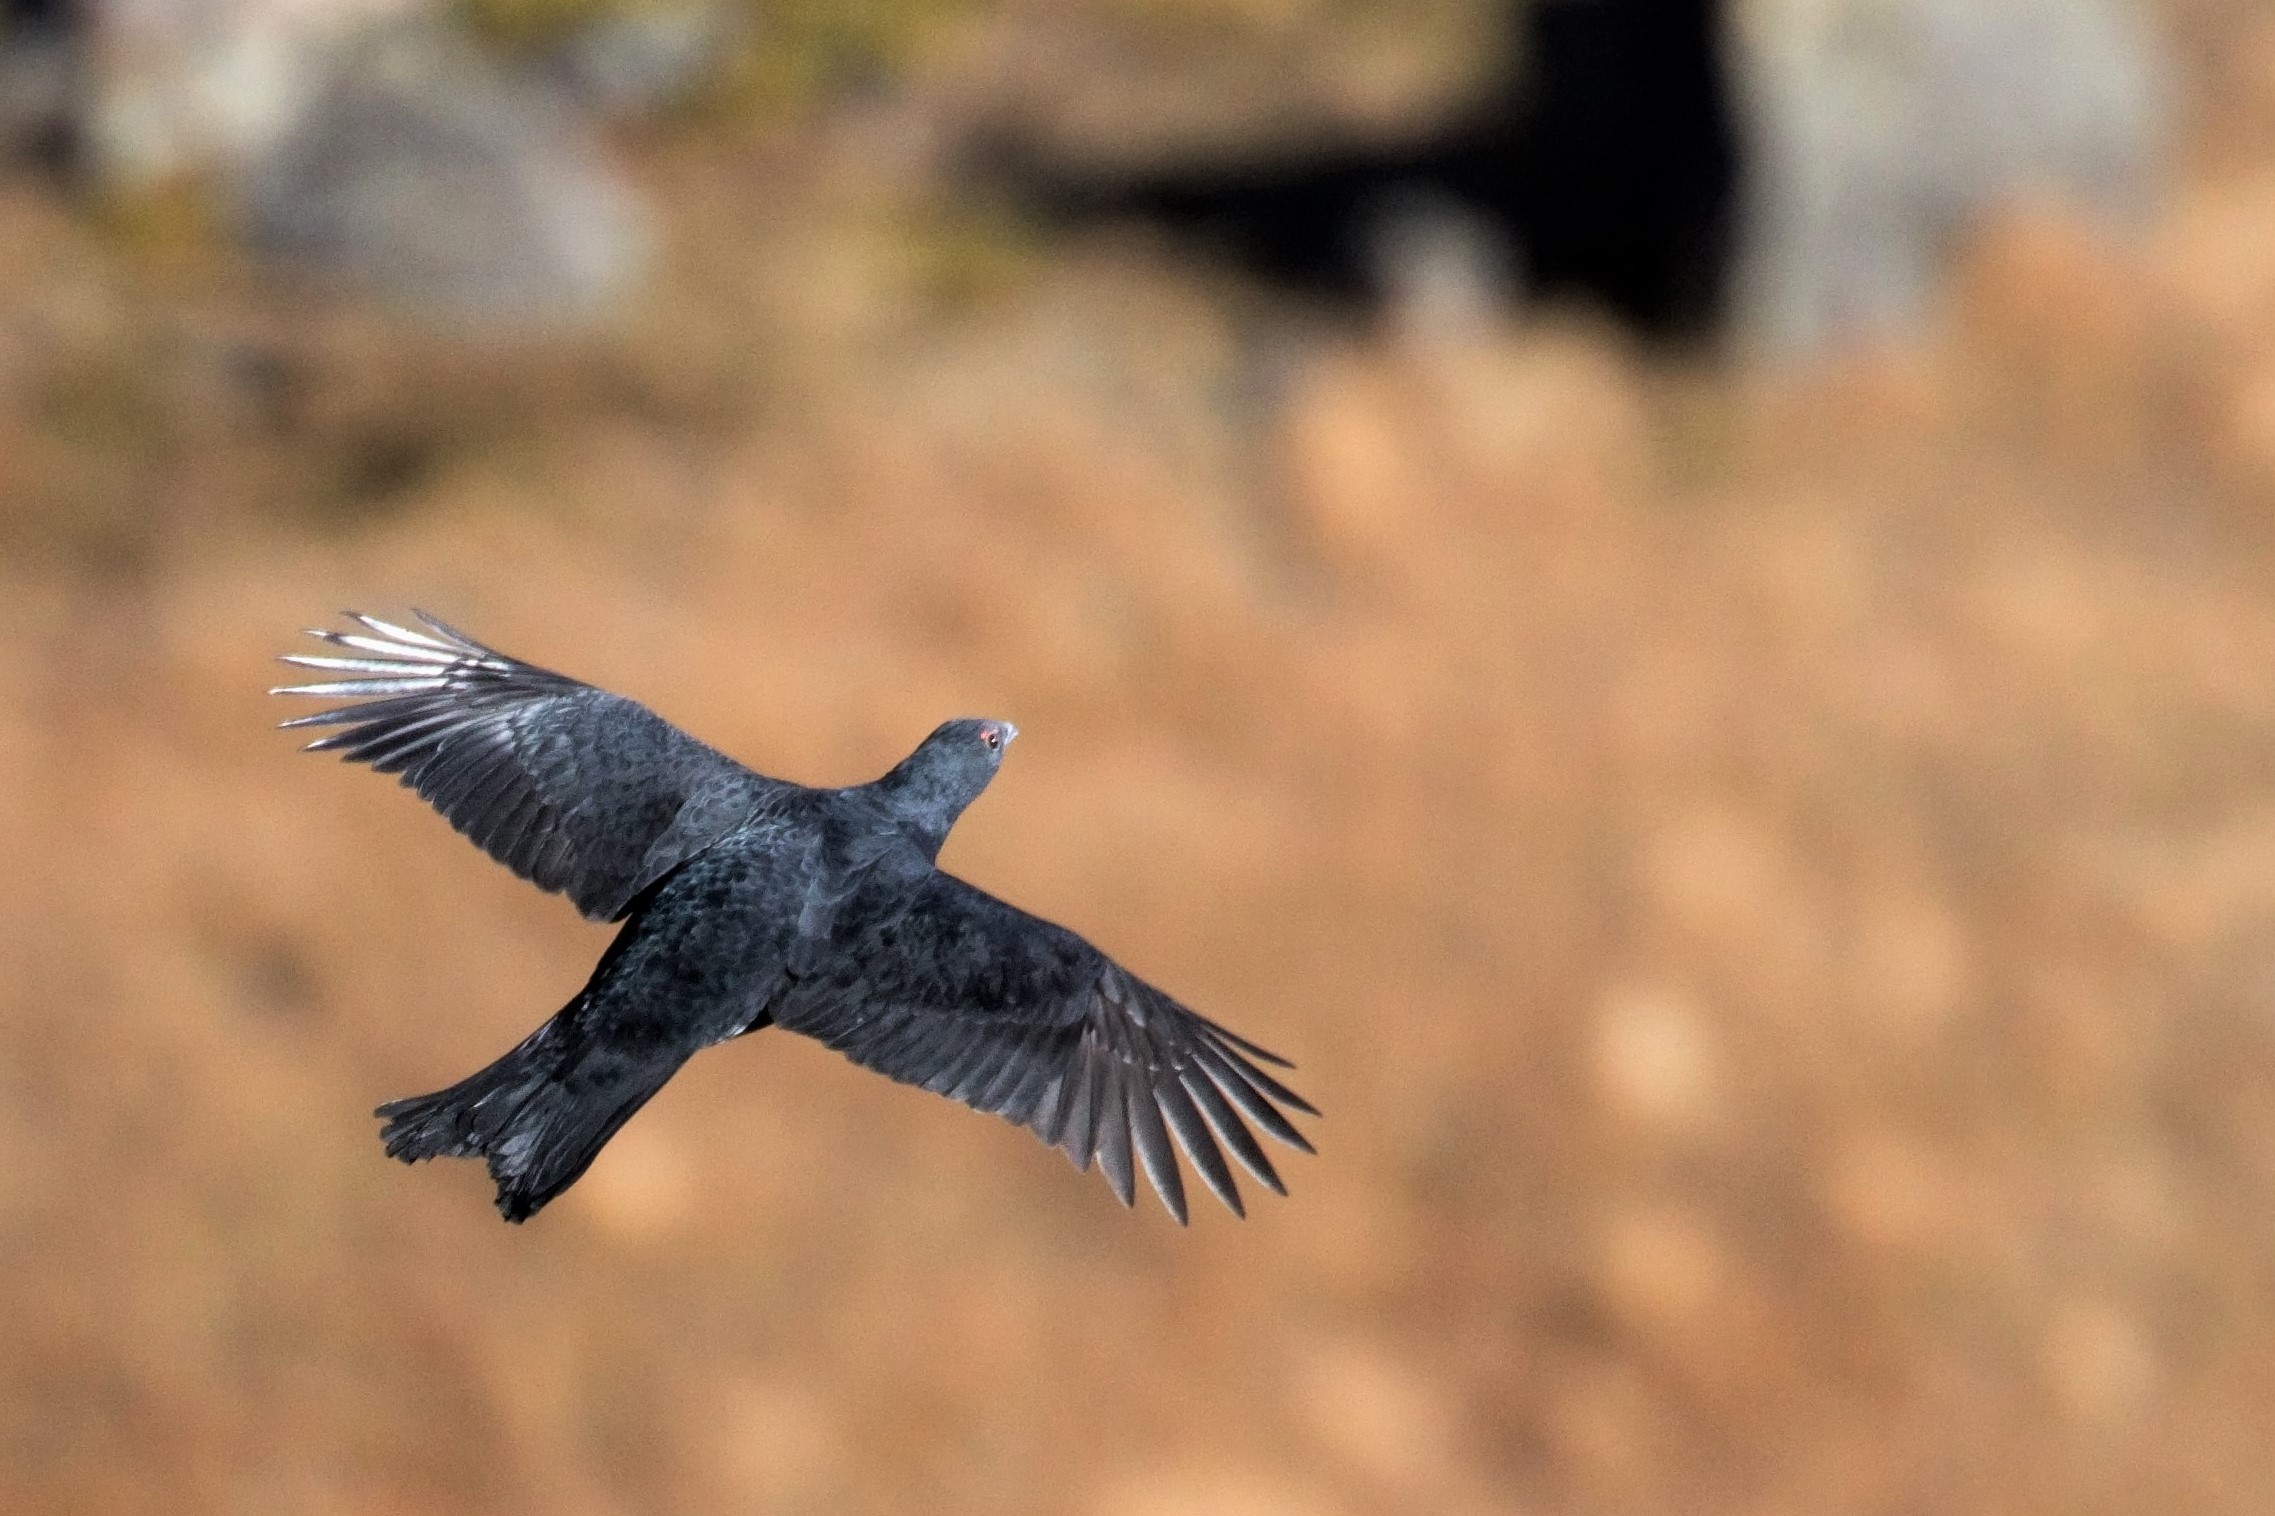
x=394 y=757
x=399 y=747
x=398 y=633
x=1255 y=1107
x=1080 y=1139
x=452 y=634
x=345 y=737
x=1240 y=1042
x=1267 y=1083
x=1232 y=1129
x=339 y=689
x=401 y=651
x=395 y=709
x=422 y=724
x=1192 y=1135
x=361 y=665
x=1114 y=1133
x=1153 y=1148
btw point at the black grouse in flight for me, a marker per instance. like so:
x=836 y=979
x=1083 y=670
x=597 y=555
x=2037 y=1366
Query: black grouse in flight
x=750 y=902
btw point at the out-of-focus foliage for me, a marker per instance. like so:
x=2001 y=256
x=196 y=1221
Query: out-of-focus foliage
x=781 y=56
x=532 y=23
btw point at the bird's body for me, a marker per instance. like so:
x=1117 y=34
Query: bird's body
x=750 y=902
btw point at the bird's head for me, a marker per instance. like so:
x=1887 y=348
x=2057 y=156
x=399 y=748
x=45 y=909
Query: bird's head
x=947 y=771
x=968 y=745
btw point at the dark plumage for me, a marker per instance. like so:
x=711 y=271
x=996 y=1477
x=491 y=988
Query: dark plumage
x=750 y=902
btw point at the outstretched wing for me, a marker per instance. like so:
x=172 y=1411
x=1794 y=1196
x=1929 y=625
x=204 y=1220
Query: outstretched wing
x=977 y=1000
x=572 y=788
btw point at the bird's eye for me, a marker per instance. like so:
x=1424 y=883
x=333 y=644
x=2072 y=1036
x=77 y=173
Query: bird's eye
x=992 y=737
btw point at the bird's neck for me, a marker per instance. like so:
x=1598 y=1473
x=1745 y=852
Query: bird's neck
x=924 y=801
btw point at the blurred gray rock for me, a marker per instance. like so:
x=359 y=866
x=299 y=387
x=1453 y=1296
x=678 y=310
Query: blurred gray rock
x=362 y=140
x=419 y=171
x=649 y=58
x=188 y=85
x=1879 y=131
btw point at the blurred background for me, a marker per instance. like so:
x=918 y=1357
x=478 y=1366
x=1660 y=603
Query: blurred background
x=1676 y=599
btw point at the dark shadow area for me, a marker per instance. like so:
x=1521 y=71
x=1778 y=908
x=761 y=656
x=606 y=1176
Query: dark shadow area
x=40 y=62
x=1602 y=173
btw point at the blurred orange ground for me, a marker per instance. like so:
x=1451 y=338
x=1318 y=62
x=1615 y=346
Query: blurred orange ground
x=1772 y=882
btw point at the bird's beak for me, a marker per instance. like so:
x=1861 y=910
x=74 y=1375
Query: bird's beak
x=1010 y=734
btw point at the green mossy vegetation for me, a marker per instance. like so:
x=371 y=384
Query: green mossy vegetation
x=787 y=55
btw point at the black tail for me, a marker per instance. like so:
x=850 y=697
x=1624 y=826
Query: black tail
x=540 y=1114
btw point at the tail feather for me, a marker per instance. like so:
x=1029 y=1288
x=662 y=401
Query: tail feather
x=540 y=1114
